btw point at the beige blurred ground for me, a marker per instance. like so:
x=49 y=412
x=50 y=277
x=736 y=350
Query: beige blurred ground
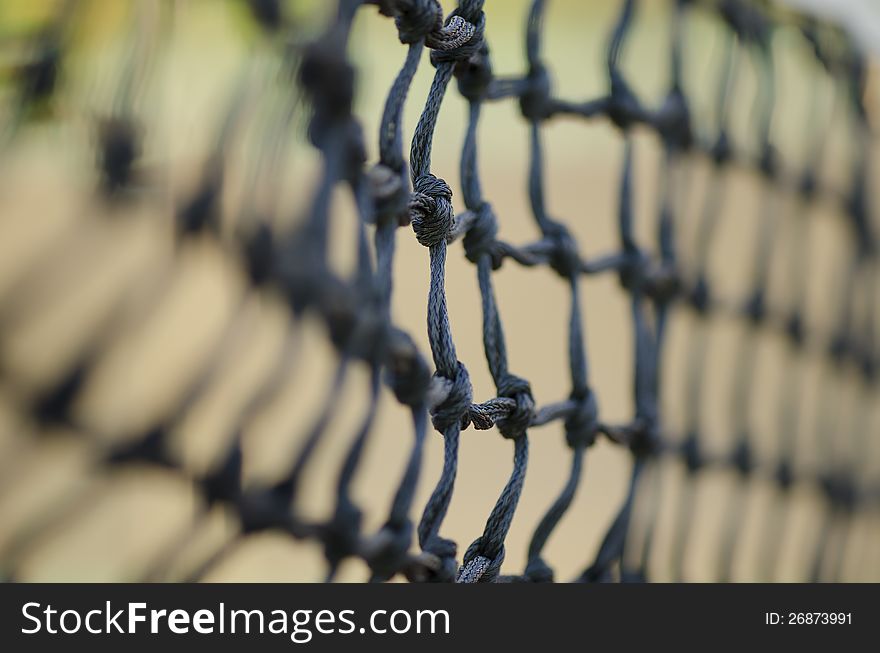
x=70 y=269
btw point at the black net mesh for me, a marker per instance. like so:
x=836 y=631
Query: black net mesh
x=796 y=412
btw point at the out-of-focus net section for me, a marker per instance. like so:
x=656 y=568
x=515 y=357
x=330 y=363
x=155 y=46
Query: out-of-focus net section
x=212 y=329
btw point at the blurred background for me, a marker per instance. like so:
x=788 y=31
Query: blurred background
x=109 y=277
